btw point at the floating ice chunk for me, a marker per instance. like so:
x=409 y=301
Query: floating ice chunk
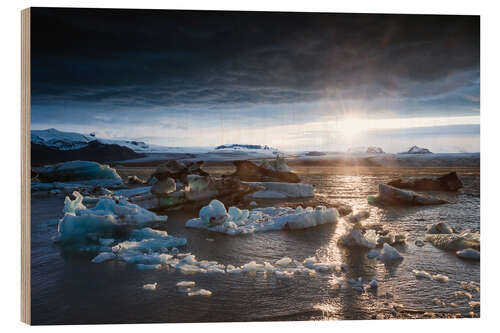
x=422 y=274
x=233 y=270
x=200 y=292
x=474 y=304
x=130 y=192
x=389 y=253
x=469 y=254
x=148 y=266
x=373 y=284
x=373 y=253
x=104 y=256
x=78 y=227
x=214 y=213
x=285 y=261
x=148 y=233
x=149 y=245
x=151 y=286
x=215 y=218
x=440 y=278
x=78 y=170
x=284 y=274
x=108 y=214
x=72 y=206
x=355 y=237
x=106 y=241
x=189 y=269
x=185 y=284
x=145 y=258
x=358 y=217
x=278 y=190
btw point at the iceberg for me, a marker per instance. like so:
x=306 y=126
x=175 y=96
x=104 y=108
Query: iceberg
x=214 y=217
x=108 y=214
x=78 y=171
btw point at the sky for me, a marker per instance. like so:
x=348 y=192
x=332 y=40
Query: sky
x=296 y=81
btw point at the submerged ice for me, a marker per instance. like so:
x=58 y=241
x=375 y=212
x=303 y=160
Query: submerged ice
x=234 y=221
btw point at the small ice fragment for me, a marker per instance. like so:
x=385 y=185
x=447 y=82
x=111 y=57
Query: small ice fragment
x=148 y=266
x=285 y=261
x=200 y=292
x=389 y=253
x=373 y=253
x=253 y=204
x=440 y=278
x=106 y=241
x=151 y=286
x=185 y=284
x=373 y=284
x=419 y=243
x=104 y=256
x=284 y=274
x=474 y=304
x=469 y=254
x=210 y=239
x=422 y=274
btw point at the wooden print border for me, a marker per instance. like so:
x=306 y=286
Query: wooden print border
x=25 y=166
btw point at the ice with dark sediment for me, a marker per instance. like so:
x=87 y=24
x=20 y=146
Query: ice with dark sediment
x=234 y=221
x=389 y=195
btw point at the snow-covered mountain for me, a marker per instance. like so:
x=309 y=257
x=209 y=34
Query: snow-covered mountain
x=70 y=141
x=236 y=147
x=417 y=150
x=60 y=140
x=365 y=150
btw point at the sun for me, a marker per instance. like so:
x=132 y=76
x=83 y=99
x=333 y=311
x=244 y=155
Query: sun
x=350 y=128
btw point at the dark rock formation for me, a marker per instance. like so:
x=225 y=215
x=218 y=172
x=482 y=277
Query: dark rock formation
x=178 y=170
x=94 y=151
x=447 y=182
x=315 y=153
x=251 y=172
x=163 y=187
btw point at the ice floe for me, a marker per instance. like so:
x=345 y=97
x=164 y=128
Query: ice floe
x=355 y=237
x=389 y=253
x=104 y=256
x=469 y=254
x=455 y=241
x=214 y=217
x=200 y=292
x=185 y=284
x=277 y=190
x=151 y=286
x=108 y=214
x=440 y=278
x=78 y=171
x=422 y=274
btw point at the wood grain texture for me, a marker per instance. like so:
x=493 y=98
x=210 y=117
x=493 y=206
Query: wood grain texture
x=25 y=167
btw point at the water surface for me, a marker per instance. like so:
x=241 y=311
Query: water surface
x=68 y=289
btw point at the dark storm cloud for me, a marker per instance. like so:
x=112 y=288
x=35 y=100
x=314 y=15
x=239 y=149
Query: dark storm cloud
x=148 y=59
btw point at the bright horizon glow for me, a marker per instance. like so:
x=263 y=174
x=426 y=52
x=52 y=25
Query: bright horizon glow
x=331 y=134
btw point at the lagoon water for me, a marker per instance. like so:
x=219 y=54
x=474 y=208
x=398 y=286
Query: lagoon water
x=66 y=288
